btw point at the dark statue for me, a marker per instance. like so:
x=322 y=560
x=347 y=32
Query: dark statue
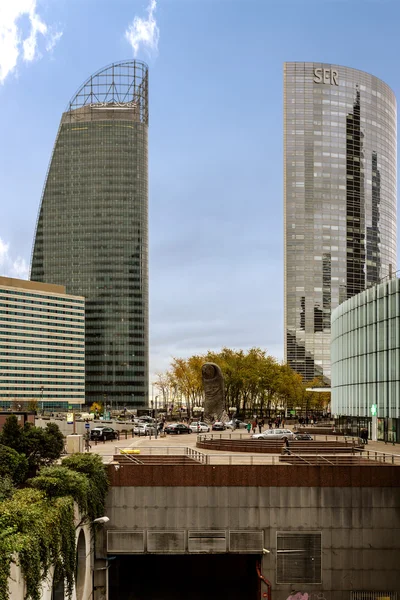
x=214 y=392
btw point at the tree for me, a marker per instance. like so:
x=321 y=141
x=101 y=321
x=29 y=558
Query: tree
x=13 y=465
x=96 y=408
x=40 y=446
x=32 y=405
x=12 y=434
x=254 y=381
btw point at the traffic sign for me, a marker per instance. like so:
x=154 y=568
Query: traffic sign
x=373 y=410
x=87 y=425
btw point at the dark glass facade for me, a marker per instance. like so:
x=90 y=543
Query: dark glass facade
x=92 y=230
x=340 y=200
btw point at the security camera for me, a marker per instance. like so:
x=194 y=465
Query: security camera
x=265 y=551
x=101 y=520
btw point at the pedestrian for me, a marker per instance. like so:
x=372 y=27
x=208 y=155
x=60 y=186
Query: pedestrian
x=283 y=423
x=259 y=426
x=286 y=447
x=248 y=427
x=270 y=424
x=262 y=422
x=254 y=425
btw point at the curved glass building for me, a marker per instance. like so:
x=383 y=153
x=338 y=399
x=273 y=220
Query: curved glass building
x=92 y=229
x=366 y=359
x=340 y=200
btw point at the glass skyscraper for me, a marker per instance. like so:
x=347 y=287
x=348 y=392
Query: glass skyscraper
x=92 y=229
x=340 y=182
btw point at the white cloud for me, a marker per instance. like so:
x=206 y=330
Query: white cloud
x=144 y=31
x=13 y=44
x=10 y=266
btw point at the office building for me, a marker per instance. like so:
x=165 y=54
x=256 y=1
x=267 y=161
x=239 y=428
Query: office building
x=42 y=346
x=340 y=200
x=92 y=230
x=366 y=362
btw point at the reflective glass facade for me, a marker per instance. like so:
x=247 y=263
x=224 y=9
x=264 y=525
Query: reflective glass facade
x=42 y=345
x=340 y=200
x=92 y=230
x=366 y=353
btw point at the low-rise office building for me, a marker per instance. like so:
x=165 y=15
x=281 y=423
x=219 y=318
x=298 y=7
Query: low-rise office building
x=365 y=354
x=42 y=345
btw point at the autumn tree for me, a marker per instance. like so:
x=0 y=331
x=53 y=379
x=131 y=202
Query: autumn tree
x=254 y=381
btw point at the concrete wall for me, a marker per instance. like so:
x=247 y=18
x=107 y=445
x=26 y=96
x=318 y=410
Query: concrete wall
x=360 y=526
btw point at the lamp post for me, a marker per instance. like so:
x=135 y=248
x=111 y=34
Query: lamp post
x=155 y=414
x=42 y=389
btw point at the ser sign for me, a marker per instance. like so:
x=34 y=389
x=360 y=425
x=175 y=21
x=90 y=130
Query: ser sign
x=330 y=76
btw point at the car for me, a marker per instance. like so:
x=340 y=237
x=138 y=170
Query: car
x=199 y=427
x=274 y=434
x=177 y=428
x=303 y=436
x=146 y=419
x=144 y=429
x=236 y=424
x=218 y=426
x=103 y=433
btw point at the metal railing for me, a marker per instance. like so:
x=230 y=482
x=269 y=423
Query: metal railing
x=368 y=457
x=351 y=440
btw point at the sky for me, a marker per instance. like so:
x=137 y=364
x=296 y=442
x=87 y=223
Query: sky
x=215 y=140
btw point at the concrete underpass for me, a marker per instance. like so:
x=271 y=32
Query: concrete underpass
x=178 y=577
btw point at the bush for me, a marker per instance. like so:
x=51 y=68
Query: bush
x=92 y=466
x=42 y=533
x=60 y=481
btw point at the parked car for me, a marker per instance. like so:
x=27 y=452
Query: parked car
x=274 y=434
x=218 y=426
x=144 y=429
x=177 y=428
x=303 y=436
x=103 y=433
x=199 y=427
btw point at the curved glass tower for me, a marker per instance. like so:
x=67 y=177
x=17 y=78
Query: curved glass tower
x=92 y=229
x=340 y=177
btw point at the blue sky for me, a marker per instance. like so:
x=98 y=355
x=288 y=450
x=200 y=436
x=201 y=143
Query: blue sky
x=216 y=193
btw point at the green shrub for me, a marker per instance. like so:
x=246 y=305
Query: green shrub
x=37 y=523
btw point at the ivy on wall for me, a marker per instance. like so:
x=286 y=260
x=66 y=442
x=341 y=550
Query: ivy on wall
x=37 y=526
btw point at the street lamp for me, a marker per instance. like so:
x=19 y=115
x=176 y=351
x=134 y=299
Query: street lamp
x=155 y=414
x=42 y=389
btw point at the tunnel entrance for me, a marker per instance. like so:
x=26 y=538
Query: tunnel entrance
x=178 y=577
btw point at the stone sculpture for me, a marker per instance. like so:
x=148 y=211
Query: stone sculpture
x=214 y=392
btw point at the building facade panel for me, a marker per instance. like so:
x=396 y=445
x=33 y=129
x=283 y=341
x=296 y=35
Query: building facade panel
x=366 y=357
x=92 y=231
x=340 y=200
x=42 y=345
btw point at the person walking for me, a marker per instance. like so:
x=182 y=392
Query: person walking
x=248 y=427
x=254 y=425
x=286 y=447
x=259 y=426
